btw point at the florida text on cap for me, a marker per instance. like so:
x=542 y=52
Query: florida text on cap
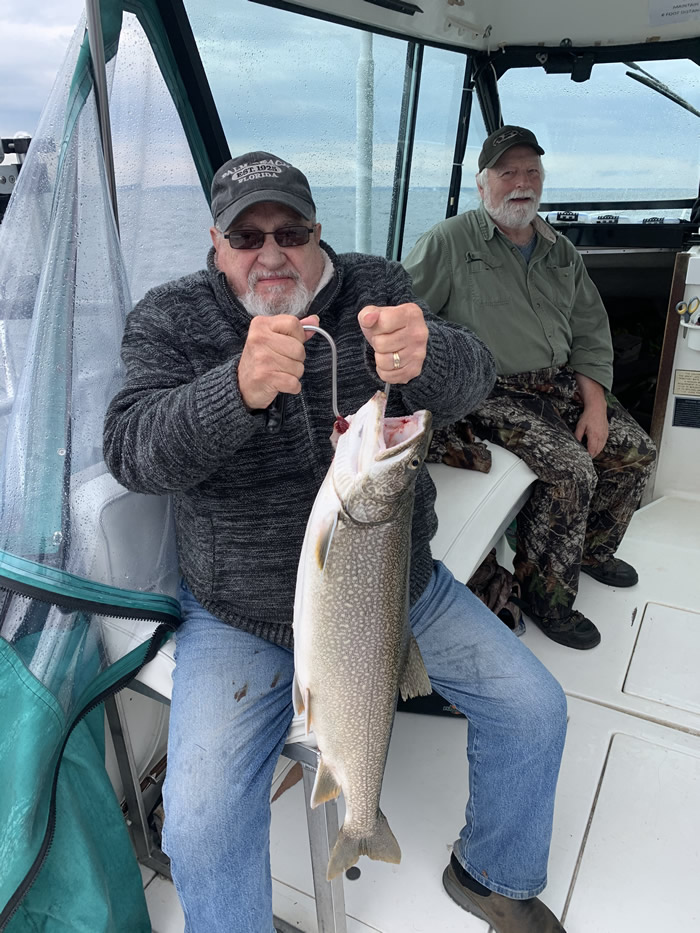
x=256 y=177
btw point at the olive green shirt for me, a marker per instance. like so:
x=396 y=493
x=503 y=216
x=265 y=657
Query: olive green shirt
x=531 y=315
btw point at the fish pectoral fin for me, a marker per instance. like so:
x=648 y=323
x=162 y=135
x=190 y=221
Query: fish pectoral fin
x=414 y=680
x=325 y=539
x=325 y=786
x=298 y=698
x=381 y=845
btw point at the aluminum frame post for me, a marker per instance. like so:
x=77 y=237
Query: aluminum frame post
x=322 y=823
x=323 y=831
x=364 y=94
x=99 y=74
x=146 y=852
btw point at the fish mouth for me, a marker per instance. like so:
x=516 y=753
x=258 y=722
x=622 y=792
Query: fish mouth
x=378 y=460
x=399 y=433
x=383 y=439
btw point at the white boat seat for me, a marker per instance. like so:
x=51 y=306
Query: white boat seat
x=474 y=509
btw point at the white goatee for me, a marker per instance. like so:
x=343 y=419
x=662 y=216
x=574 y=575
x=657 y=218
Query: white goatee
x=278 y=301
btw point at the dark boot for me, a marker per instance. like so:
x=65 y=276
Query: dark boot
x=504 y=914
x=573 y=631
x=612 y=572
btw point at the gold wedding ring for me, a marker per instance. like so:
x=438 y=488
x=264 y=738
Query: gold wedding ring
x=397 y=361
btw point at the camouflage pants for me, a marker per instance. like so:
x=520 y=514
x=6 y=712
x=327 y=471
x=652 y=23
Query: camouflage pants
x=580 y=507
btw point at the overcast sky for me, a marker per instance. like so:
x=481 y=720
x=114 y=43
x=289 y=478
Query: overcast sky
x=34 y=36
x=252 y=55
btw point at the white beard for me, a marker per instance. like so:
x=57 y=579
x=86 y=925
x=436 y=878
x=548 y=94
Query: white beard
x=278 y=300
x=509 y=214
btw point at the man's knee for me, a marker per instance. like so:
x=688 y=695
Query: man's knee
x=637 y=456
x=568 y=477
x=541 y=708
x=204 y=813
x=628 y=445
x=578 y=470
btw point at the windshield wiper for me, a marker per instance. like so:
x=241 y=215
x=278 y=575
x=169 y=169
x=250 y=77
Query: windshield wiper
x=650 y=81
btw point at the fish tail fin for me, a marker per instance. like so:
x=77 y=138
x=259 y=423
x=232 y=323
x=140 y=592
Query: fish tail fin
x=325 y=786
x=381 y=846
x=414 y=680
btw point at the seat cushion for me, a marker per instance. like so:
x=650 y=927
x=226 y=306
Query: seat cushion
x=474 y=509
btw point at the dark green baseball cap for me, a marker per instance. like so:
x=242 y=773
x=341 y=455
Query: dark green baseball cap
x=502 y=140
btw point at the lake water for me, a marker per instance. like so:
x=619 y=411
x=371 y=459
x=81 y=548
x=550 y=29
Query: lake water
x=165 y=230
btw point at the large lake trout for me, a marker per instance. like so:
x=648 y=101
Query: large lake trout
x=353 y=647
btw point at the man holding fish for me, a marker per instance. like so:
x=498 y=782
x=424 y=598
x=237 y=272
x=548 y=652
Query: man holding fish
x=312 y=593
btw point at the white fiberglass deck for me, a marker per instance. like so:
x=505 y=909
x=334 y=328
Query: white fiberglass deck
x=625 y=855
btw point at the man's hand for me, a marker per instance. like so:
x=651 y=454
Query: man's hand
x=593 y=423
x=273 y=357
x=398 y=335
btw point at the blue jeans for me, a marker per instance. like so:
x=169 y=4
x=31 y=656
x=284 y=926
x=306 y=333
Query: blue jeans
x=231 y=709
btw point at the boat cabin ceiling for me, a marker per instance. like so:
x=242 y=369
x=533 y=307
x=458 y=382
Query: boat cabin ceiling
x=491 y=25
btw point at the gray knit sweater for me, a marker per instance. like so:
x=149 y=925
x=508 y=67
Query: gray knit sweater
x=242 y=495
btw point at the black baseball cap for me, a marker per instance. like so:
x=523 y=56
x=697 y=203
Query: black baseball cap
x=254 y=177
x=502 y=140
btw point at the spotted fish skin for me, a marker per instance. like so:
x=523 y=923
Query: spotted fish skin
x=354 y=650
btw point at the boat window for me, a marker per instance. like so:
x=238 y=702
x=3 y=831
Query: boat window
x=163 y=213
x=325 y=96
x=468 y=194
x=439 y=100
x=611 y=138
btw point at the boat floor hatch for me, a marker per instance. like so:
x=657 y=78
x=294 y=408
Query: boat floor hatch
x=665 y=661
x=647 y=800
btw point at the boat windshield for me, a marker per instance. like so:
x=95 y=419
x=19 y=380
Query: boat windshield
x=612 y=140
x=301 y=89
x=333 y=99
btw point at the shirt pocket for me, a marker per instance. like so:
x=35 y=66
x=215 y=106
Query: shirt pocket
x=560 y=285
x=488 y=285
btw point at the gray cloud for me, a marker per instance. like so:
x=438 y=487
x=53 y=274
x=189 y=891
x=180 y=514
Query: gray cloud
x=34 y=37
x=287 y=83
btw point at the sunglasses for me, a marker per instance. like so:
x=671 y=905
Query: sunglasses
x=254 y=239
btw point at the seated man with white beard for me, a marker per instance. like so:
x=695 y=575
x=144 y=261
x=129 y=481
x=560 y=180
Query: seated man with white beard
x=520 y=286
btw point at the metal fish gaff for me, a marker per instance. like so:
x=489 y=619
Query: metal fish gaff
x=354 y=650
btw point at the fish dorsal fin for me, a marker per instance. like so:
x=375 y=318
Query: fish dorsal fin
x=325 y=539
x=414 y=678
x=325 y=786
